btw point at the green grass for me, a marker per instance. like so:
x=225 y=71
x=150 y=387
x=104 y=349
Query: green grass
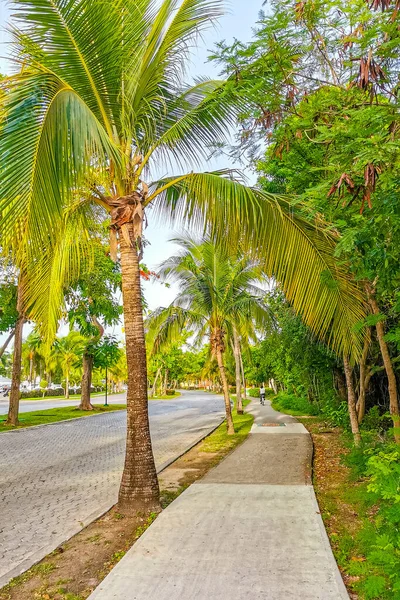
x=71 y=397
x=293 y=405
x=176 y=395
x=53 y=415
x=220 y=440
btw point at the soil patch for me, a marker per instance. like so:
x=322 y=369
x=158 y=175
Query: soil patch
x=332 y=482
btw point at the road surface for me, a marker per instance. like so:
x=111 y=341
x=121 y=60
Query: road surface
x=55 y=479
x=31 y=405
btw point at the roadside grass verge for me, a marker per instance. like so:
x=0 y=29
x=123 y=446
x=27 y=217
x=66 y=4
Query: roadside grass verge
x=77 y=567
x=53 y=415
x=71 y=396
x=293 y=405
x=176 y=395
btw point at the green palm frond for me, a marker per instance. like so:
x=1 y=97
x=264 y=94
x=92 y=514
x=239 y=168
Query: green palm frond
x=297 y=253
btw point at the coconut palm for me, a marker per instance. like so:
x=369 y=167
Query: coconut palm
x=217 y=294
x=98 y=109
x=69 y=350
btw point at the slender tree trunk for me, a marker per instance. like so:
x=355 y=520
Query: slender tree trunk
x=351 y=399
x=393 y=399
x=86 y=384
x=13 y=410
x=30 y=369
x=340 y=383
x=67 y=385
x=360 y=406
x=8 y=340
x=242 y=371
x=153 y=389
x=225 y=387
x=236 y=353
x=139 y=490
x=165 y=385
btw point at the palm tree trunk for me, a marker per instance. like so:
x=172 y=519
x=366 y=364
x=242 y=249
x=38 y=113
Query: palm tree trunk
x=86 y=384
x=165 y=386
x=8 y=340
x=153 y=389
x=393 y=399
x=67 y=385
x=139 y=490
x=242 y=371
x=351 y=398
x=236 y=353
x=13 y=409
x=228 y=408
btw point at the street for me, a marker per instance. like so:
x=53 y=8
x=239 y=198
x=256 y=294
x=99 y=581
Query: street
x=31 y=405
x=56 y=479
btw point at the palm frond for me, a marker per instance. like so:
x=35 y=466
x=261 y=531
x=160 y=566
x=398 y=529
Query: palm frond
x=297 y=253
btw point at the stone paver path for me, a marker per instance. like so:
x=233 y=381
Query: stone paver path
x=57 y=478
x=250 y=528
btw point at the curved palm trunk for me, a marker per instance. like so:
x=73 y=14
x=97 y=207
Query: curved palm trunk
x=139 y=490
x=13 y=409
x=393 y=399
x=165 y=385
x=236 y=353
x=154 y=388
x=351 y=398
x=8 y=340
x=86 y=384
x=228 y=408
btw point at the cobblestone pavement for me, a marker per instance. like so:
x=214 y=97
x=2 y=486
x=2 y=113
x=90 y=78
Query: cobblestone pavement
x=56 y=479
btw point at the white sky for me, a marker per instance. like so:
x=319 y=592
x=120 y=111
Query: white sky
x=238 y=22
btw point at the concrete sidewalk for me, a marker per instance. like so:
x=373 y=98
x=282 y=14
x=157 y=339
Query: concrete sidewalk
x=250 y=528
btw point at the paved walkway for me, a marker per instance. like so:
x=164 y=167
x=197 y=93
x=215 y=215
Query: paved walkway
x=250 y=528
x=55 y=479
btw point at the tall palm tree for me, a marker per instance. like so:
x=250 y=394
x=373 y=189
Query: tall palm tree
x=218 y=292
x=100 y=105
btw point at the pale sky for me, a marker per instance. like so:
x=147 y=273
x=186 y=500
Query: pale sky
x=238 y=22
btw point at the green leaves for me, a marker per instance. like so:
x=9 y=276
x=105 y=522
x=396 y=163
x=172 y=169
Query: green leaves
x=294 y=251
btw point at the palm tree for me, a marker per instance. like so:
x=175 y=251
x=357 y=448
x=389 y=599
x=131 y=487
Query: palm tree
x=217 y=294
x=69 y=350
x=99 y=105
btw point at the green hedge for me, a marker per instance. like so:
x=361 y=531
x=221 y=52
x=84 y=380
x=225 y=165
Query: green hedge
x=285 y=402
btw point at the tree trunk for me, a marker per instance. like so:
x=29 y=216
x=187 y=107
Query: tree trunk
x=30 y=369
x=13 y=410
x=67 y=385
x=154 y=388
x=86 y=384
x=393 y=399
x=274 y=387
x=242 y=371
x=228 y=408
x=236 y=353
x=360 y=406
x=8 y=340
x=351 y=399
x=165 y=385
x=139 y=490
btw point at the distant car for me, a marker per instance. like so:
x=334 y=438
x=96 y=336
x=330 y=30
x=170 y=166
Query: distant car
x=5 y=389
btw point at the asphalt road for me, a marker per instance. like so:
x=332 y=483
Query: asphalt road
x=55 y=479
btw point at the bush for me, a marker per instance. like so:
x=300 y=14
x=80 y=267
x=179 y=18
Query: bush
x=380 y=573
x=171 y=392
x=337 y=414
x=253 y=392
x=295 y=404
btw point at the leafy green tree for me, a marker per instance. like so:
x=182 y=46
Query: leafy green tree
x=99 y=105
x=69 y=350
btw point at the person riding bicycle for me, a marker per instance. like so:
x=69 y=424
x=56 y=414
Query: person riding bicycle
x=262 y=395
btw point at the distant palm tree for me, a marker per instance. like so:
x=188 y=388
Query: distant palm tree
x=99 y=105
x=217 y=293
x=69 y=350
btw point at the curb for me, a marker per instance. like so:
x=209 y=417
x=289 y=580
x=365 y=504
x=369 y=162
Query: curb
x=40 y=554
